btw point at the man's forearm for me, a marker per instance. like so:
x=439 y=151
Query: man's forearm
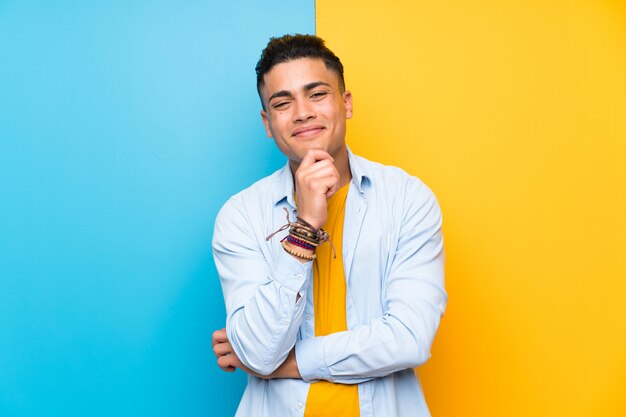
x=288 y=369
x=228 y=360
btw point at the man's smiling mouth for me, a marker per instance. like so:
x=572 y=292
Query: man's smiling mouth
x=307 y=131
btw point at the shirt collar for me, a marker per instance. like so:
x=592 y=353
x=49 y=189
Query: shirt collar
x=360 y=177
x=284 y=182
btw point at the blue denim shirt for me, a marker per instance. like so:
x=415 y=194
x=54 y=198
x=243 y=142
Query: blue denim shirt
x=393 y=260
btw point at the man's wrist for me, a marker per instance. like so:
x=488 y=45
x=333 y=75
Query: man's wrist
x=308 y=221
x=289 y=368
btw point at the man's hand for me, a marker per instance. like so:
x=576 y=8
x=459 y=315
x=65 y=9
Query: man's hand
x=226 y=357
x=229 y=362
x=316 y=180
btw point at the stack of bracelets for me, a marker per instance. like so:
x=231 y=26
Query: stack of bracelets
x=302 y=235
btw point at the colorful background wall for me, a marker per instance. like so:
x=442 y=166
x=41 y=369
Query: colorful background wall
x=124 y=127
x=515 y=114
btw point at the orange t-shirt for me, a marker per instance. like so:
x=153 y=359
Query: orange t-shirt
x=329 y=302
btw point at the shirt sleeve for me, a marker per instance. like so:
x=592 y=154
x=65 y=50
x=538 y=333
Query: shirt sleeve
x=263 y=309
x=414 y=301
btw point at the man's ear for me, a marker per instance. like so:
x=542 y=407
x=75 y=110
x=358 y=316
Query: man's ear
x=347 y=101
x=266 y=123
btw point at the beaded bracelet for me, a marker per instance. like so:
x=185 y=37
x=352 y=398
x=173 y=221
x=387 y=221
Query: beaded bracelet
x=296 y=253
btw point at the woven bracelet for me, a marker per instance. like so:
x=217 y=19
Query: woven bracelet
x=299 y=242
x=309 y=240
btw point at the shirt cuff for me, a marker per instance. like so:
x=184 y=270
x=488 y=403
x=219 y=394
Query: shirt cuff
x=310 y=359
x=291 y=273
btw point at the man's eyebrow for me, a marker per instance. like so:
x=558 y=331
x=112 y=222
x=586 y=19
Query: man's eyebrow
x=281 y=93
x=311 y=86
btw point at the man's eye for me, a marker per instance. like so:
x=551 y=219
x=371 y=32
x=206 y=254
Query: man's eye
x=281 y=105
x=319 y=94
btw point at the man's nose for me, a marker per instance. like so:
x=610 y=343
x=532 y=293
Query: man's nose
x=303 y=111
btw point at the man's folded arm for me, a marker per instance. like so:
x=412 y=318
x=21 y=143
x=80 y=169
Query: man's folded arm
x=264 y=305
x=414 y=301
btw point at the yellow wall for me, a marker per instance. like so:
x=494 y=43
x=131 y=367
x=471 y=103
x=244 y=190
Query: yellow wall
x=514 y=113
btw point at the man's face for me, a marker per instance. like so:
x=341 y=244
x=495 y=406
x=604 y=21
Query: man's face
x=305 y=108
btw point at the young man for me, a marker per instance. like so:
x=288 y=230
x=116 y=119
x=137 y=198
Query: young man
x=326 y=324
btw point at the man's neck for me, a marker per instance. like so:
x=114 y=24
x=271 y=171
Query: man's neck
x=342 y=163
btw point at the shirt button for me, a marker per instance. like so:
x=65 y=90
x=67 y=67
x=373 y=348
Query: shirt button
x=286 y=321
x=300 y=405
x=308 y=317
x=300 y=277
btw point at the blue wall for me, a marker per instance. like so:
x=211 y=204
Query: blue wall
x=124 y=125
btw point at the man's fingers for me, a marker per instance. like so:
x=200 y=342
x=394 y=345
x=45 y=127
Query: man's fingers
x=219 y=336
x=221 y=349
x=229 y=362
x=318 y=167
x=314 y=155
x=325 y=184
x=226 y=363
x=319 y=173
x=332 y=189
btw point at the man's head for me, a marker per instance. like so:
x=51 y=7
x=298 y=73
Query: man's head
x=305 y=104
x=292 y=47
